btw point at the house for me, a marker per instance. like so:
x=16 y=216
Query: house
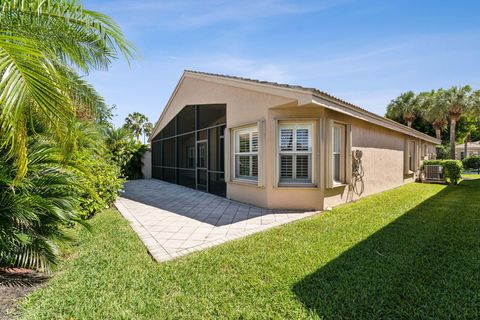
x=473 y=149
x=279 y=146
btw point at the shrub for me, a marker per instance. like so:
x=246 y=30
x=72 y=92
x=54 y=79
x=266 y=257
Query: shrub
x=133 y=168
x=126 y=152
x=443 y=152
x=102 y=184
x=452 y=169
x=35 y=208
x=472 y=163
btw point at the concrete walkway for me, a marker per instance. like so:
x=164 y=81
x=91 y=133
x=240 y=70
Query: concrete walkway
x=172 y=220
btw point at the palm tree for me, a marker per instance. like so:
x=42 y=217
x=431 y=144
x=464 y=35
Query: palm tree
x=42 y=43
x=43 y=47
x=457 y=101
x=33 y=209
x=405 y=106
x=434 y=111
x=147 y=131
x=135 y=122
x=121 y=145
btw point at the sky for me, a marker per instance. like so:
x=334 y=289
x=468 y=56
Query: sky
x=365 y=52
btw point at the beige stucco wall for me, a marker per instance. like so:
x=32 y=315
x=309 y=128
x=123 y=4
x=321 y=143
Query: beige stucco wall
x=147 y=165
x=244 y=106
x=473 y=150
x=383 y=149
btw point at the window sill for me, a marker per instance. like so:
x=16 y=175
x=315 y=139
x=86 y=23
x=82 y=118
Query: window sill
x=245 y=182
x=285 y=185
x=338 y=185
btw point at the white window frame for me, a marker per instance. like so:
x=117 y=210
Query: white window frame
x=343 y=147
x=253 y=133
x=295 y=125
x=411 y=146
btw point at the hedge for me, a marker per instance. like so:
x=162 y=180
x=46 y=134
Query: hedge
x=452 y=169
x=472 y=163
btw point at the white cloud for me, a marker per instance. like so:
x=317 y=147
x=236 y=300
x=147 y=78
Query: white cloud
x=191 y=14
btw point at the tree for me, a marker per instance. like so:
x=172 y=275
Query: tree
x=41 y=44
x=33 y=209
x=44 y=45
x=135 y=122
x=457 y=101
x=147 y=130
x=433 y=111
x=406 y=106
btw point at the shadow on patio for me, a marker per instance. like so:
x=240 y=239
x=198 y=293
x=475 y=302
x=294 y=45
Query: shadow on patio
x=425 y=264
x=194 y=204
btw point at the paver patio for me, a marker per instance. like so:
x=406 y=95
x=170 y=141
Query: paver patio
x=173 y=220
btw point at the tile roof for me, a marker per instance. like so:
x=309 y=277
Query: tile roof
x=314 y=91
x=318 y=93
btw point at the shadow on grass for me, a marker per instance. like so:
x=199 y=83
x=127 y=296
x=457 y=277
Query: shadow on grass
x=21 y=278
x=425 y=264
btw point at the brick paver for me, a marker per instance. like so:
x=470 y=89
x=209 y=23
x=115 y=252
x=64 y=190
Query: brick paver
x=172 y=220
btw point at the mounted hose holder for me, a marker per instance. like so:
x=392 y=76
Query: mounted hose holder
x=356 y=186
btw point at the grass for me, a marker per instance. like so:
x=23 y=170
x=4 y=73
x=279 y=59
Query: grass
x=412 y=252
x=471 y=176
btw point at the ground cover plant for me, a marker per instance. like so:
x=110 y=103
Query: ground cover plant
x=411 y=252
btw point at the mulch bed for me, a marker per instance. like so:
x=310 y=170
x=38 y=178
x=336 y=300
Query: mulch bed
x=15 y=284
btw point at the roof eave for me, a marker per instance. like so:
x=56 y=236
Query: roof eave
x=367 y=116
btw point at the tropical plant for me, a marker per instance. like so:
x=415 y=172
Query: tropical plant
x=433 y=111
x=41 y=42
x=405 y=106
x=34 y=208
x=457 y=101
x=121 y=145
x=126 y=152
x=133 y=168
x=135 y=123
x=85 y=150
x=100 y=185
x=147 y=130
x=51 y=147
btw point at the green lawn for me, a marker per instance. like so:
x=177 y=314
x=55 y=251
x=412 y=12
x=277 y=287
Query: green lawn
x=412 y=252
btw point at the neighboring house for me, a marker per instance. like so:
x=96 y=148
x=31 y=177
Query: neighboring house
x=279 y=146
x=473 y=149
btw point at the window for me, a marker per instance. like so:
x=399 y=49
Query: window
x=295 y=152
x=411 y=156
x=338 y=148
x=246 y=153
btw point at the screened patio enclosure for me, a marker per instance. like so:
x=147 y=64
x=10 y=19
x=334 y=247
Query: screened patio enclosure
x=190 y=149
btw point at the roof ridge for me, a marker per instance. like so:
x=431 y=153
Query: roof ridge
x=314 y=91
x=284 y=85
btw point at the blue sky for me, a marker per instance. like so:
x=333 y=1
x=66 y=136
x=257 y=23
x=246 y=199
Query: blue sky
x=366 y=52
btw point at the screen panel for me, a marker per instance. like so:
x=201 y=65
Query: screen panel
x=186 y=151
x=186 y=120
x=211 y=115
x=176 y=152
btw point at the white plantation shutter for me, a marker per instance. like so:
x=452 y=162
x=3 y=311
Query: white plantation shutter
x=302 y=166
x=303 y=139
x=286 y=139
x=286 y=166
x=295 y=152
x=246 y=153
x=254 y=141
